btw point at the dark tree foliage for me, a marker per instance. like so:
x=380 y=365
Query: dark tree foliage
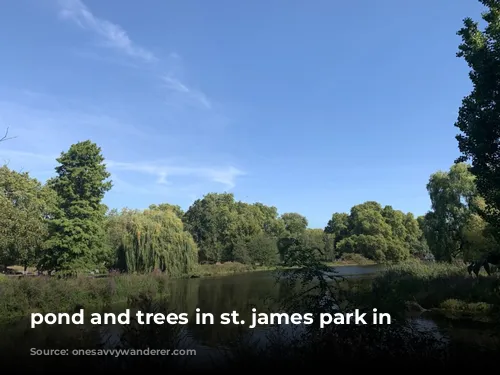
x=479 y=115
x=77 y=241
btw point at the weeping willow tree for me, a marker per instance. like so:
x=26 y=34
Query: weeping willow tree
x=152 y=240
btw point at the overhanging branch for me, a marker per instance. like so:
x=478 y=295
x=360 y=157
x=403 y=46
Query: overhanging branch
x=6 y=136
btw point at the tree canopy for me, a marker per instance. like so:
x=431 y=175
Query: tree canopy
x=149 y=240
x=454 y=226
x=376 y=232
x=63 y=226
x=479 y=115
x=77 y=234
x=25 y=207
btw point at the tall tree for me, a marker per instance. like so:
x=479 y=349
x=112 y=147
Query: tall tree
x=453 y=199
x=479 y=115
x=77 y=241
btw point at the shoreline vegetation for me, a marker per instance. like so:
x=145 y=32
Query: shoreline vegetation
x=18 y=289
x=217 y=269
x=412 y=287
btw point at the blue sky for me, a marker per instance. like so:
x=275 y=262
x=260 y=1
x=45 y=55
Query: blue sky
x=310 y=106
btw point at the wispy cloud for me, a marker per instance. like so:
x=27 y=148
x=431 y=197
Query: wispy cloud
x=115 y=36
x=135 y=139
x=45 y=125
x=112 y=35
x=162 y=171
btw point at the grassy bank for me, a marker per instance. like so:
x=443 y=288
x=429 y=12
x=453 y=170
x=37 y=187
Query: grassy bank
x=24 y=295
x=435 y=287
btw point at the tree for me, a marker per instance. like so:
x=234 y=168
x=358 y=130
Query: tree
x=177 y=210
x=77 y=235
x=270 y=221
x=260 y=250
x=453 y=200
x=370 y=246
x=367 y=219
x=223 y=227
x=210 y=221
x=376 y=232
x=338 y=227
x=25 y=206
x=153 y=239
x=478 y=236
x=415 y=237
x=295 y=224
x=320 y=241
x=479 y=115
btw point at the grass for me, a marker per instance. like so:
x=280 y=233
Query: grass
x=455 y=305
x=433 y=286
x=25 y=295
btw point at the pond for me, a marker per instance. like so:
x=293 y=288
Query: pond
x=218 y=295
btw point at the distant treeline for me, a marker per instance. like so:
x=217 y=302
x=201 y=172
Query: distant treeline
x=63 y=226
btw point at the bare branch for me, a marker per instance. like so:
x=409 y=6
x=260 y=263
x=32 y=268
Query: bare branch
x=6 y=136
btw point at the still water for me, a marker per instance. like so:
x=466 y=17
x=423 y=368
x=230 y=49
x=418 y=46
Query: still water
x=215 y=295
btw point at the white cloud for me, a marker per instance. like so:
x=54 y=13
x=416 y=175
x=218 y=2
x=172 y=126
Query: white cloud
x=162 y=171
x=113 y=35
x=44 y=125
x=47 y=124
x=116 y=37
